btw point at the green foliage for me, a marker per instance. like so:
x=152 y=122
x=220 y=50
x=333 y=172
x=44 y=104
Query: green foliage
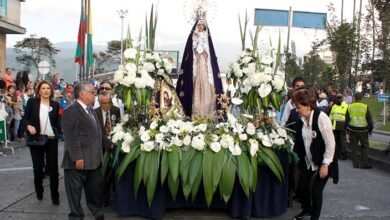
x=313 y=68
x=33 y=50
x=243 y=30
x=342 y=43
x=150 y=29
x=291 y=67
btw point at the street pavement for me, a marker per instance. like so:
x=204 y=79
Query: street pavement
x=360 y=194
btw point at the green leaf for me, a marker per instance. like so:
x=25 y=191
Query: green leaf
x=185 y=170
x=275 y=100
x=196 y=184
x=174 y=163
x=274 y=157
x=196 y=173
x=278 y=56
x=218 y=161
x=138 y=172
x=227 y=179
x=153 y=175
x=147 y=168
x=173 y=187
x=255 y=170
x=243 y=173
x=208 y=175
x=133 y=154
x=266 y=101
x=275 y=168
x=164 y=167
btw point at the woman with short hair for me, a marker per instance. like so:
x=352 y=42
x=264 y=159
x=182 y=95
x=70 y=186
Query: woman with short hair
x=315 y=146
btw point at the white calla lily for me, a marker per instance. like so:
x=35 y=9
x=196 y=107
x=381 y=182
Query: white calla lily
x=264 y=90
x=237 y=101
x=267 y=142
x=215 y=146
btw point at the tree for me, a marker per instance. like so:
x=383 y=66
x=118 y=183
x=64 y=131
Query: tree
x=33 y=50
x=291 y=68
x=315 y=69
x=383 y=9
x=341 y=38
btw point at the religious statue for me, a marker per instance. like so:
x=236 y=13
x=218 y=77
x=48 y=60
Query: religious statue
x=199 y=85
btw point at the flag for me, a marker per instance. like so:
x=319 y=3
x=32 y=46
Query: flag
x=89 y=35
x=79 y=58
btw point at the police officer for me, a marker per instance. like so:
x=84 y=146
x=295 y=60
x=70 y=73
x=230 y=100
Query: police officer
x=359 y=124
x=337 y=115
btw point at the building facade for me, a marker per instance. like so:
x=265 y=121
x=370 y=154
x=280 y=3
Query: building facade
x=9 y=24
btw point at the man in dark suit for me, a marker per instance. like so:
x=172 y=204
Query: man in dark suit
x=108 y=116
x=83 y=153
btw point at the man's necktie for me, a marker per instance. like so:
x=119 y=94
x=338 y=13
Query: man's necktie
x=90 y=114
x=107 y=125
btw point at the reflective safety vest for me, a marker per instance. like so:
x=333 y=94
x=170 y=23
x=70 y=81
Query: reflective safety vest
x=337 y=114
x=357 y=114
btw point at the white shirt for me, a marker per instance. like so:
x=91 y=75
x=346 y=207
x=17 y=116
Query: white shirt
x=286 y=113
x=83 y=105
x=115 y=102
x=325 y=127
x=44 y=120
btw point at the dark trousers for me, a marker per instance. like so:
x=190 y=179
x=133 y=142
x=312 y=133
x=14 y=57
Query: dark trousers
x=91 y=182
x=354 y=138
x=311 y=187
x=339 y=136
x=38 y=158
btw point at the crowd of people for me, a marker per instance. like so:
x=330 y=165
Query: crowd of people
x=43 y=112
x=322 y=120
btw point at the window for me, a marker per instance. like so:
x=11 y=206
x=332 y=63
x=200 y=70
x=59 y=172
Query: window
x=3 y=8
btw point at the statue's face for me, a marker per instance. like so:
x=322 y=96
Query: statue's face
x=201 y=27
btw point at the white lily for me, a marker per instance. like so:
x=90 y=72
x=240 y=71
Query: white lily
x=215 y=146
x=254 y=147
x=237 y=101
x=266 y=141
x=264 y=90
x=235 y=149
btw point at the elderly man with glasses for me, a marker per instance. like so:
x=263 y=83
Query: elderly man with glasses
x=107 y=86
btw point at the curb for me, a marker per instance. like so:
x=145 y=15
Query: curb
x=381 y=132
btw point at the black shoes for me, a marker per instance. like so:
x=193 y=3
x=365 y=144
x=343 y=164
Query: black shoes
x=366 y=167
x=55 y=201
x=343 y=156
x=302 y=215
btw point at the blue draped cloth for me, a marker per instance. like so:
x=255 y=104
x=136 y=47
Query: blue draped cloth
x=269 y=199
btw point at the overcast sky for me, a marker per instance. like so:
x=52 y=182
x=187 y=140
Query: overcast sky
x=58 y=20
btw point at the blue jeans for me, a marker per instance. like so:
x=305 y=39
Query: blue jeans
x=16 y=128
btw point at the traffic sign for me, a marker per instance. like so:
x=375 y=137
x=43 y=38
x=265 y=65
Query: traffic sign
x=43 y=68
x=383 y=98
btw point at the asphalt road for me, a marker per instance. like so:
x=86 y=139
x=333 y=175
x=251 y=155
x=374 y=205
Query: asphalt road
x=360 y=194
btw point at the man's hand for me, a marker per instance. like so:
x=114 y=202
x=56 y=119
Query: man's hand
x=80 y=164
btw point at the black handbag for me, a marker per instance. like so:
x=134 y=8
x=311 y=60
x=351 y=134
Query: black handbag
x=37 y=140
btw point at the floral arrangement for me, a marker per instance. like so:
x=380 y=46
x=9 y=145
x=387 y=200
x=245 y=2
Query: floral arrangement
x=185 y=154
x=135 y=81
x=191 y=153
x=258 y=84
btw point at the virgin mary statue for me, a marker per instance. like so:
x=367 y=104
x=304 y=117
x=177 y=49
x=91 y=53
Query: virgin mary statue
x=199 y=84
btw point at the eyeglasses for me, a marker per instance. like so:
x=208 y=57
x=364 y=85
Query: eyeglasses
x=105 y=88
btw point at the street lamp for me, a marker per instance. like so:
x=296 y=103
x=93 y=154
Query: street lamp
x=122 y=14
